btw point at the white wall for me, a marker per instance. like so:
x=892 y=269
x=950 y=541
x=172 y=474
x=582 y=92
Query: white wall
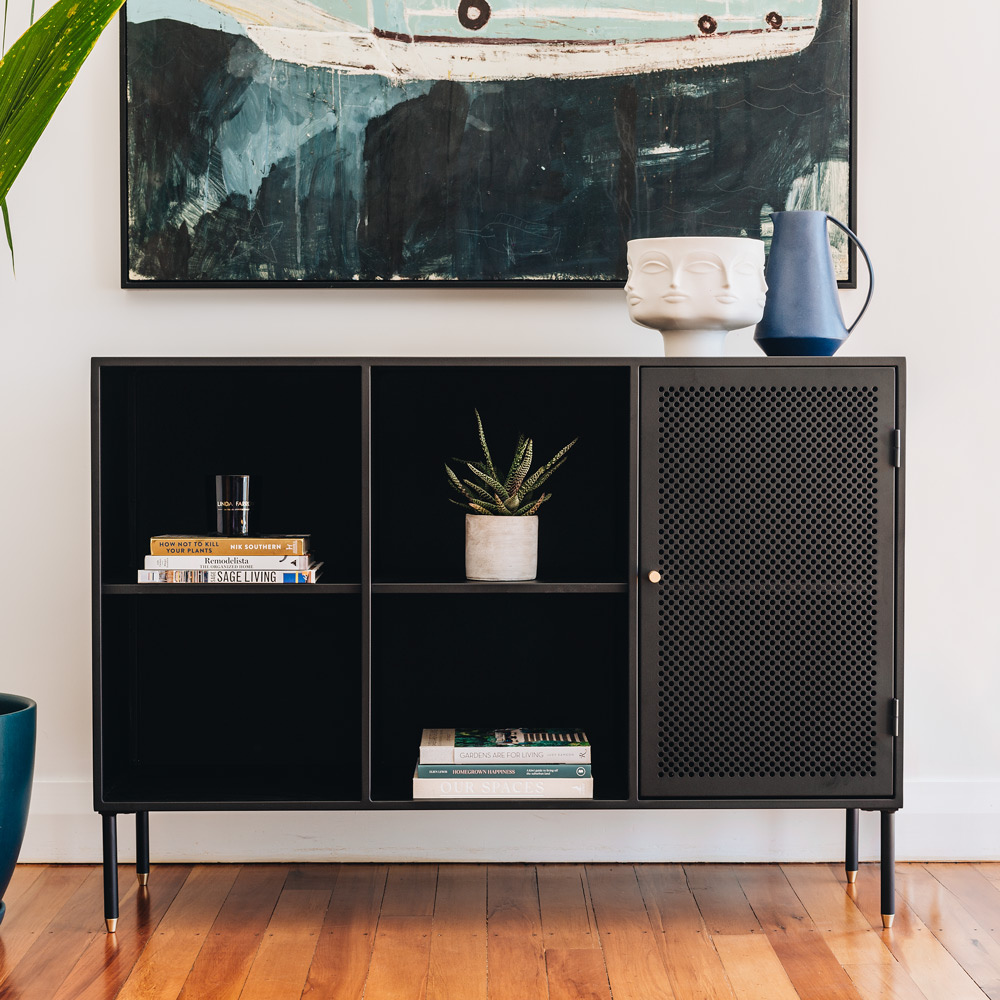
x=928 y=154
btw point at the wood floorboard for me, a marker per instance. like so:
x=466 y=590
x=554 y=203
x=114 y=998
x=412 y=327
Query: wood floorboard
x=885 y=982
x=36 y=908
x=565 y=908
x=989 y=870
x=502 y=931
x=635 y=968
x=811 y=966
x=687 y=949
x=171 y=951
x=54 y=952
x=342 y=957
x=721 y=900
x=930 y=965
x=400 y=959
x=753 y=969
x=977 y=894
x=516 y=954
x=955 y=927
x=576 y=974
x=457 y=964
x=281 y=965
x=222 y=965
x=109 y=959
x=20 y=881
x=830 y=902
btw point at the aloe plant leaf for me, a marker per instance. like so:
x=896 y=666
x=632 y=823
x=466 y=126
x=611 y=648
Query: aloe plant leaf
x=517 y=479
x=487 y=508
x=475 y=488
x=538 y=477
x=544 y=471
x=538 y=503
x=38 y=70
x=517 y=495
x=491 y=481
x=482 y=444
x=522 y=444
x=453 y=479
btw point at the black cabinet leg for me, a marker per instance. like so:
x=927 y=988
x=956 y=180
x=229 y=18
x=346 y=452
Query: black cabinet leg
x=851 y=849
x=110 y=821
x=142 y=847
x=888 y=865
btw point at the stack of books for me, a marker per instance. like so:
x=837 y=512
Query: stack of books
x=229 y=559
x=503 y=764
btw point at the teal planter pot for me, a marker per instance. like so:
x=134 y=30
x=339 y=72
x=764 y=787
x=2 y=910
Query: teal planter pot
x=17 y=766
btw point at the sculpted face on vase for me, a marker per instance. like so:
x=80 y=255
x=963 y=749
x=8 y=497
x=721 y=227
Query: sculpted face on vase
x=695 y=289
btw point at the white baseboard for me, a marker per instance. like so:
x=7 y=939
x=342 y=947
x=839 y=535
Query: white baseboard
x=941 y=821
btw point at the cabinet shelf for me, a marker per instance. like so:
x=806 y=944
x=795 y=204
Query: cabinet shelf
x=489 y=587
x=494 y=804
x=314 y=589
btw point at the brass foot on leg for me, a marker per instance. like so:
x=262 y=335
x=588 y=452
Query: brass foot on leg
x=112 y=923
x=852 y=877
x=143 y=878
x=887 y=919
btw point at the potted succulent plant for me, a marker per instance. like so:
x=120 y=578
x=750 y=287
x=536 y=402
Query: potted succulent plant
x=501 y=527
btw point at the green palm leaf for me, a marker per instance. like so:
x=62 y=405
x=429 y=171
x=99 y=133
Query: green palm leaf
x=35 y=75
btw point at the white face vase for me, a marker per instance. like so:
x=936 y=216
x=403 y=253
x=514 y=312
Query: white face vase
x=695 y=289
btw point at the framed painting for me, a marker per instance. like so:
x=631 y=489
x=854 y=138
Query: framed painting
x=471 y=142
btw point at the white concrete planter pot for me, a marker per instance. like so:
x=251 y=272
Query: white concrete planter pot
x=501 y=548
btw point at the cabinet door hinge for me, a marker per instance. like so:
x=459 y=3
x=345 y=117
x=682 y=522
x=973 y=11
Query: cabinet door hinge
x=897 y=448
x=894 y=717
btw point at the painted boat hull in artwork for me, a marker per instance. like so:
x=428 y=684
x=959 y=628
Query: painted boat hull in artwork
x=511 y=40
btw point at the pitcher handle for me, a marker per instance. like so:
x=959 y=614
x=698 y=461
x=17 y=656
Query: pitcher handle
x=871 y=272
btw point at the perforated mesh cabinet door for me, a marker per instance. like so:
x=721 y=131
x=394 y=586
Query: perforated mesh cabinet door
x=768 y=508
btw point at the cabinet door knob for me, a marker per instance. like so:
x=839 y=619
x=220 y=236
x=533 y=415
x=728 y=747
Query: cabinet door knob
x=654 y=576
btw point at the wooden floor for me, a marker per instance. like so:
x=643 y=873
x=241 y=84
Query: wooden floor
x=516 y=932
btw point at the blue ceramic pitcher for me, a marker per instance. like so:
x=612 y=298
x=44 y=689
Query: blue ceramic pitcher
x=802 y=312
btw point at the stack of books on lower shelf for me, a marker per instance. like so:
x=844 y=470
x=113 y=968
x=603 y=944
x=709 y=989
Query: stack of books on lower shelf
x=503 y=764
x=229 y=559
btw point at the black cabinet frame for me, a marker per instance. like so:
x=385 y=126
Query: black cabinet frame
x=311 y=697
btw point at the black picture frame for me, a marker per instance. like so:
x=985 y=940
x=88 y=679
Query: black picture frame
x=160 y=99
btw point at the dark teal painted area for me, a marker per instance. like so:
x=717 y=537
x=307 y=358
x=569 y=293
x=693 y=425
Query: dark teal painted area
x=243 y=169
x=17 y=766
